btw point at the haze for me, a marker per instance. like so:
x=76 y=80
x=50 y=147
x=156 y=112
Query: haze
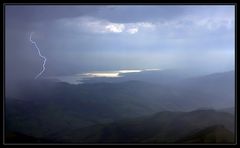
x=79 y=39
x=120 y=74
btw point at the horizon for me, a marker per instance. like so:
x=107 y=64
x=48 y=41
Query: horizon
x=77 y=39
x=131 y=74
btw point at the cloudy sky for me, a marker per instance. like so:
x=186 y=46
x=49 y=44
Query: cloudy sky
x=77 y=39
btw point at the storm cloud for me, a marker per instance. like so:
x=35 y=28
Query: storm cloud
x=81 y=38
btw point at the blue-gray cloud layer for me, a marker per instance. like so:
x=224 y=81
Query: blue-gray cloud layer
x=83 y=38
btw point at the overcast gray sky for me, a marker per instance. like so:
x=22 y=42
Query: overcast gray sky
x=77 y=39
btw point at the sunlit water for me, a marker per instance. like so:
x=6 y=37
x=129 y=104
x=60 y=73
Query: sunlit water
x=78 y=78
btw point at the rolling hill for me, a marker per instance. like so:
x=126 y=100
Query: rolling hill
x=163 y=127
x=46 y=109
x=213 y=134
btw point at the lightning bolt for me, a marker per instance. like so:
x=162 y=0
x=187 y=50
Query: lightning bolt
x=39 y=53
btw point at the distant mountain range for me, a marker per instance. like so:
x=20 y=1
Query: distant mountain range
x=45 y=109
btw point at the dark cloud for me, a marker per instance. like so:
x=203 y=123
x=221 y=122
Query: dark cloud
x=180 y=33
x=138 y=13
x=39 y=13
